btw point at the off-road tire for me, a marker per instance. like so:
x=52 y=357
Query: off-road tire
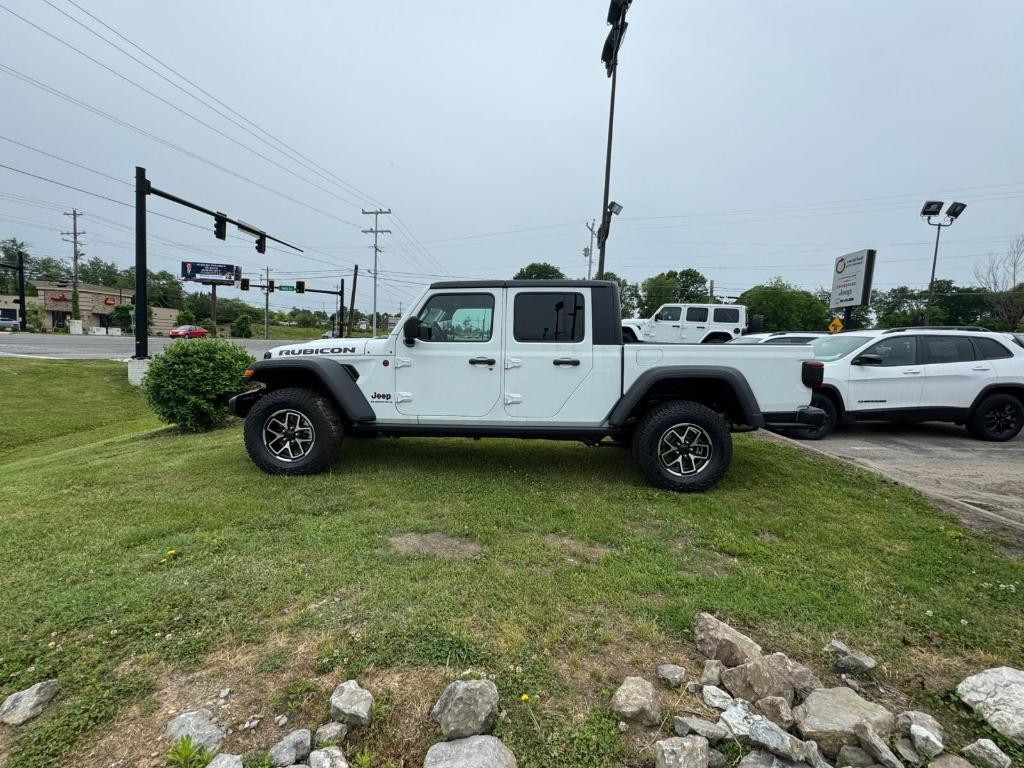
x=679 y=415
x=322 y=416
x=997 y=418
x=828 y=405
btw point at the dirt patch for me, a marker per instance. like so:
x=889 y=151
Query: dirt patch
x=574 y=550
x=437 y=544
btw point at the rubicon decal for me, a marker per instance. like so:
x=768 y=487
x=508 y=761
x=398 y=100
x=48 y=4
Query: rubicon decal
x=320 y=351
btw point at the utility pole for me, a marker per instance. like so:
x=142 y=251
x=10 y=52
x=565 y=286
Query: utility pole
x=22 y=309
x=711 y=292
x=266 y=306
x=352 y=301
x=589 y=251
x=75 y=213
x=213 y=307
x=376 y=250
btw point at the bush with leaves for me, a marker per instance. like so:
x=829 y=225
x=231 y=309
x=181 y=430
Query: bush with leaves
x=242 y=327
x=191 y=382
x=188 y=754
x=186 y=318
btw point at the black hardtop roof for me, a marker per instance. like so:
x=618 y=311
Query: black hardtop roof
x=523 y=284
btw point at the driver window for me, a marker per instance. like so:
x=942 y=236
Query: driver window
x=457 y=317
x=669 y=314
x=901 y=350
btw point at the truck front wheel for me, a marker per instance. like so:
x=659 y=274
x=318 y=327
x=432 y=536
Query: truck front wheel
x=683 y=446
x=292 y=431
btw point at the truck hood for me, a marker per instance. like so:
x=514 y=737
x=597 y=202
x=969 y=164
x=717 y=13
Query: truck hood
x=321 y=348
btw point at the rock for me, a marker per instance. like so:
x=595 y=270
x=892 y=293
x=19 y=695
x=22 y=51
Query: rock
x=693 y=688
x=738 y=719
x=467 y=708
x=636 y=701
x=764 y=676
x=776 y=709
x=473 y=752
x=672 y=675
x=713 y=732
x=828 y=717
x=250 y=723
x=224 y=693
x=926 y=743
x=905 y=748
x=717 y=640
x=292 y=748
x=949 y=761
x=225 y=760
x=836 y=647
x=330 y=733
x=853 y=757
x=766 y=735
x=716 y=698
x=351 y=704
x=681 y=752
x=281 y=721
x=804 y=680
x=199 y=724
x=716 y=759
x=850 y=683
x=22 y=706
x=986 y=752
x=904 y=720
x=328 y=757
x=998 y=694
x=759 y=759
x=855 y=663
x=712 y=672
x=875 y=746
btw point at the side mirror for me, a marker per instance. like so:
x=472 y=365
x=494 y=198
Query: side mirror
x=867 y=360
x=411 y=330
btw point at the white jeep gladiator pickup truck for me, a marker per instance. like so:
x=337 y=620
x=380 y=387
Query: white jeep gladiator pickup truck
x=527 y=359
x=688 y=324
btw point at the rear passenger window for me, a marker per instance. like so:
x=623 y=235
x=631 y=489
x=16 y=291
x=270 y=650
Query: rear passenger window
x=947 y=349
x=696 y=314
x=989 y=349
x=727 y=315
x=549 y=317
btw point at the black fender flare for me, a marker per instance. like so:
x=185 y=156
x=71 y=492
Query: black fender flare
x=1008 y=387
x=730 y=377
x=335 y=378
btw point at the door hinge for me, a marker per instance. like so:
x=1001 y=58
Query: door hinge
x=513 y=362
x=402 y=362
x=403 y=397
x=512 y=399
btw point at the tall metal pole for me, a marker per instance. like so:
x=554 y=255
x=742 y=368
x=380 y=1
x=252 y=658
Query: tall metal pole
x=376 y=250
x=213 y=307
x=605 y=213
x=352 y=301
x=141 y=299
x=266 y=306
x=931 y=282
x=22 y=310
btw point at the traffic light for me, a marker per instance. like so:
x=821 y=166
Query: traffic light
x=245 y=284
x=261 y=245
x=300 y=286
x=220 y=227
x=270 y=286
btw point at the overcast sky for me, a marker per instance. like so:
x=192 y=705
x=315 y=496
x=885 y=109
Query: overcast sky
x=752 y=139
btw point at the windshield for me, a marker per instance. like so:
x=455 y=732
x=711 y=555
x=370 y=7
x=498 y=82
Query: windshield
x=829 y=348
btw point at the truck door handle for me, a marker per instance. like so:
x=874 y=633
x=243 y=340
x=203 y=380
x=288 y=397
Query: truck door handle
x=911 y=373
x=981 y=368
x=566 y=361
x=482 y=361
x=675 y=326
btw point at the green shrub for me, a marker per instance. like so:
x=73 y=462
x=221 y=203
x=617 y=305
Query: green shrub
x=191 y=382
x=122 y=316
x=242 y=327
x=186 y=754
x=186 y=318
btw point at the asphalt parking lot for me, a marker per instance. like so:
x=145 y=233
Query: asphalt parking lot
x=983 y=483
x=60 y=346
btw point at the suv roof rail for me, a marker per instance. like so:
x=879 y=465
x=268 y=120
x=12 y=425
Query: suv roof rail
x=939 y=328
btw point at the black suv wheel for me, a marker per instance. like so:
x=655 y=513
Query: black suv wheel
x=292 y=431
x=682 y=446
x=828 y=405
x=997 y=418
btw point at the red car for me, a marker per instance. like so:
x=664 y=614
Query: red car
x=188 y=332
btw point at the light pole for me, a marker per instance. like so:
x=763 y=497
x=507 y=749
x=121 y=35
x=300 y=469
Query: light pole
x=610 y=56
x=930 y=210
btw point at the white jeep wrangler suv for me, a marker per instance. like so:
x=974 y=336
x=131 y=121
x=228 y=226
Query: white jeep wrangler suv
x=968 y=376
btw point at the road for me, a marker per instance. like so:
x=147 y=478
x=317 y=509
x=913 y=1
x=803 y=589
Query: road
x=64 y=347
x=979 y=481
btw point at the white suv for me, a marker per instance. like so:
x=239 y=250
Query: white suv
x=966 y=376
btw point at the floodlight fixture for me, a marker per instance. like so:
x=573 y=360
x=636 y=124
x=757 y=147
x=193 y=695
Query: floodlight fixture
x=932 y=208
x=614 y=207
x=955 y=209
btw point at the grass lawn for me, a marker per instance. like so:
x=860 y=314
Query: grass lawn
x=582 y=573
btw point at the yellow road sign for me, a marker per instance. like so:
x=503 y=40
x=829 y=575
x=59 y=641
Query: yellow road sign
x=835 y=326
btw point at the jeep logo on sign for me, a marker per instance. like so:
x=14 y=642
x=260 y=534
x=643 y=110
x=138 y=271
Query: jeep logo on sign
x=321 y=351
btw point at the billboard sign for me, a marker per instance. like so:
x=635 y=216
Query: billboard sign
x=210 y=274
x=851 y=279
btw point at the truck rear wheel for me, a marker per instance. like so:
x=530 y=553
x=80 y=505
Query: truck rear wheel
x=683 y=446
x=293 y=431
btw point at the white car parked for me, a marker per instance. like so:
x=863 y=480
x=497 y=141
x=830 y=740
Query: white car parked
x=687 y=324
x=966 y=376
x=779 y=337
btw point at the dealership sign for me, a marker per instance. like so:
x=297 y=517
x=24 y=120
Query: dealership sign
x=207 y=273
x=851 y=279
